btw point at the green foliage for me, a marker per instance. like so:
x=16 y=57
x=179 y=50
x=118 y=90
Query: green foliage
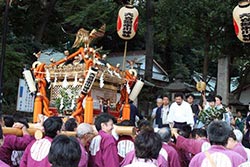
x=65 y=97
x=183 y=29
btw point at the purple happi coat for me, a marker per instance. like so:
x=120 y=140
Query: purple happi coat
x=84 y=157
x=173 y=157
x=103 y=151
x=2 y=164
x=36 y=153
x=240 y=149
x=193 y=146
x=11 y=143
x=161 y=160
x=221 y=156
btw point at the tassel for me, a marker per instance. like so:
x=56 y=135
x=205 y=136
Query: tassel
x=61 y=104
x=72 y=104
x=55 y=80
x=102 y=80
x=47 y=76
x=65 y=83
x=118 y=75
x=110 y=72
x=75 y=81
x=88 y=114
x=128 y=88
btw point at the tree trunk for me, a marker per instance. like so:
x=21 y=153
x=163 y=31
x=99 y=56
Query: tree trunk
x=223 y=79
x=149 y=40
x=45 y=19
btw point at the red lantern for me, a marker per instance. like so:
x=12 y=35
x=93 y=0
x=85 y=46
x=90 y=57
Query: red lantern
x=127 y=22
x=241 y=20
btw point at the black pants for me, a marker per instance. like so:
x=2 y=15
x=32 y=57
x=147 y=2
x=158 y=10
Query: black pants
x=180 y=125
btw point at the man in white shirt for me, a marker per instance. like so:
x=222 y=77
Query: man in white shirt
x=180 y=113
x=165 y=110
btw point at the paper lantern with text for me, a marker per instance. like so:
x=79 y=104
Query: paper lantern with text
x=241 y=21
x=127 y=22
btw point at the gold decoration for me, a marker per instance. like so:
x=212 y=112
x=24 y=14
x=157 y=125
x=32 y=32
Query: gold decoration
x=201 y=86
x=84 y=37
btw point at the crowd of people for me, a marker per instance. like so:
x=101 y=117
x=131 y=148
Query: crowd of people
x=179 y=134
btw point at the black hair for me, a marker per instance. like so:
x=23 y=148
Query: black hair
x=165 y=96
x=8 y=121
x=219 y=97
x=190 y=95
x=58 y=119
x=1 y=132
x=199 y=131
x=210 y=98
x=18 y=117
x=24 y=121
x=144 y=124
x=179 y=94
x=51 y=127
x=147 y=145
x=232 y=135
x=64 y=151
x=70 y=124
x=218 y=132
x=185 y=131
x=103 y=118
x=126 y=123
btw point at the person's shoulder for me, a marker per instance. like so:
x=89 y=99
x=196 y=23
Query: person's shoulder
x=200 y=155
x=106 y=137
x=198 y=158
x=233 y=154
x=185 y=103
x=170 y=149
x=235 y=157
x=173 y=104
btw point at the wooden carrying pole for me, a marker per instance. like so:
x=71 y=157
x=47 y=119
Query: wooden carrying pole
x=120 y=130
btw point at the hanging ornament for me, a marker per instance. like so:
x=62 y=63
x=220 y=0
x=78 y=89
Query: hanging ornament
x=128 y=88
x=117 y=74
x=75 y=81
x=55 y=80
x=65 y=83
x=61 y=104
x=102 y=80
x=127 y=22
x=72 y=104
x=241 y=17
x=47 y=76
